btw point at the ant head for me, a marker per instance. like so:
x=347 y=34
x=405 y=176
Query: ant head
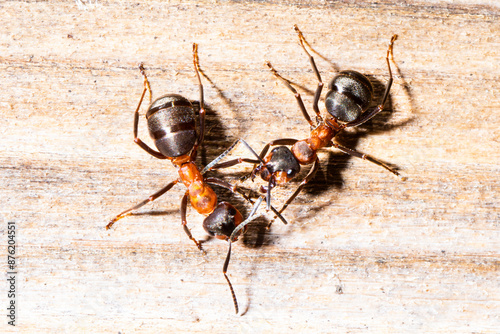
x=349 y=95
x=222 y=221
x=281 y=164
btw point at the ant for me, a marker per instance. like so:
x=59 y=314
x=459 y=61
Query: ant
x=172 y=126
x=347 y=100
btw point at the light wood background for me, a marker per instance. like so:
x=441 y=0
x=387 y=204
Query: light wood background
x=364 y=251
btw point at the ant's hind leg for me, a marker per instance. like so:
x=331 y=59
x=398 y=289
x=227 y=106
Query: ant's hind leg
x=317 y=95
x=141 y=204
x=369 y=114
x=137 y=140
x=294 y=91
x=366 y=157
x=147 y=86
x=202 y=112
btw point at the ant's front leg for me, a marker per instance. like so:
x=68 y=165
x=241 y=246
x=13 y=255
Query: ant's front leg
x=263 y=153
x=306 y=179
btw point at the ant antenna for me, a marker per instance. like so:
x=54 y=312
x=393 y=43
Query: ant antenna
x=224 y=271
x=234 y=236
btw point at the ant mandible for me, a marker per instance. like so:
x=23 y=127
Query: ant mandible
x=172 y=126
x=347 y=100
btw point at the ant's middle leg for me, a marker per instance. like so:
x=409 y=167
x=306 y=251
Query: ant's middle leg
x=141 y=204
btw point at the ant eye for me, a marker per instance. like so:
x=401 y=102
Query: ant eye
x=289 y=172
x=232 y=211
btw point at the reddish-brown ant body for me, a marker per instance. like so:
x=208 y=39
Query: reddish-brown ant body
x=172 y=126
x=347 y=101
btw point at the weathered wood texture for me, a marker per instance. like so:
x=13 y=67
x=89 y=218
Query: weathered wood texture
x=364 y=251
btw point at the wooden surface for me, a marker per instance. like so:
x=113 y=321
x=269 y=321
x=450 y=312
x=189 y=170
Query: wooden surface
x=364 y=251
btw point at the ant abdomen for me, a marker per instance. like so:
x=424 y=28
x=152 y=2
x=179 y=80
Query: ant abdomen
x=350 y=93
x=172 y=125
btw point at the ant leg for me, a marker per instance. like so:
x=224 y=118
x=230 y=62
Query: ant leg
x=146 y=82
x=317 y=95
x=282 y=141
x=214 y=164
x=138 y=141
x=294 y=91
x=141 y=204
x=367 y=115
x=234 y=162
x=357 y=154
x=234 y=190
x=308 y=178
x=202 y=104
x=389 y=83
x=234 y=236
x=270 y=185
x=221 y=183
x=224 y=271
x=184 y=220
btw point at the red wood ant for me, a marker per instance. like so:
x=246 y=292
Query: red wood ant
x=347 y=100
x=172 y=126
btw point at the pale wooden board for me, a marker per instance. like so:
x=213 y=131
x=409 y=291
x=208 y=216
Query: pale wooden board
x=414 y=256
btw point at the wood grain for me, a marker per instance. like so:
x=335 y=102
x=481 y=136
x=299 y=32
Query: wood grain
x=364 y=251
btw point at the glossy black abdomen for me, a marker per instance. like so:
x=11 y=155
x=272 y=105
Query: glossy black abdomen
x=350 y=93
